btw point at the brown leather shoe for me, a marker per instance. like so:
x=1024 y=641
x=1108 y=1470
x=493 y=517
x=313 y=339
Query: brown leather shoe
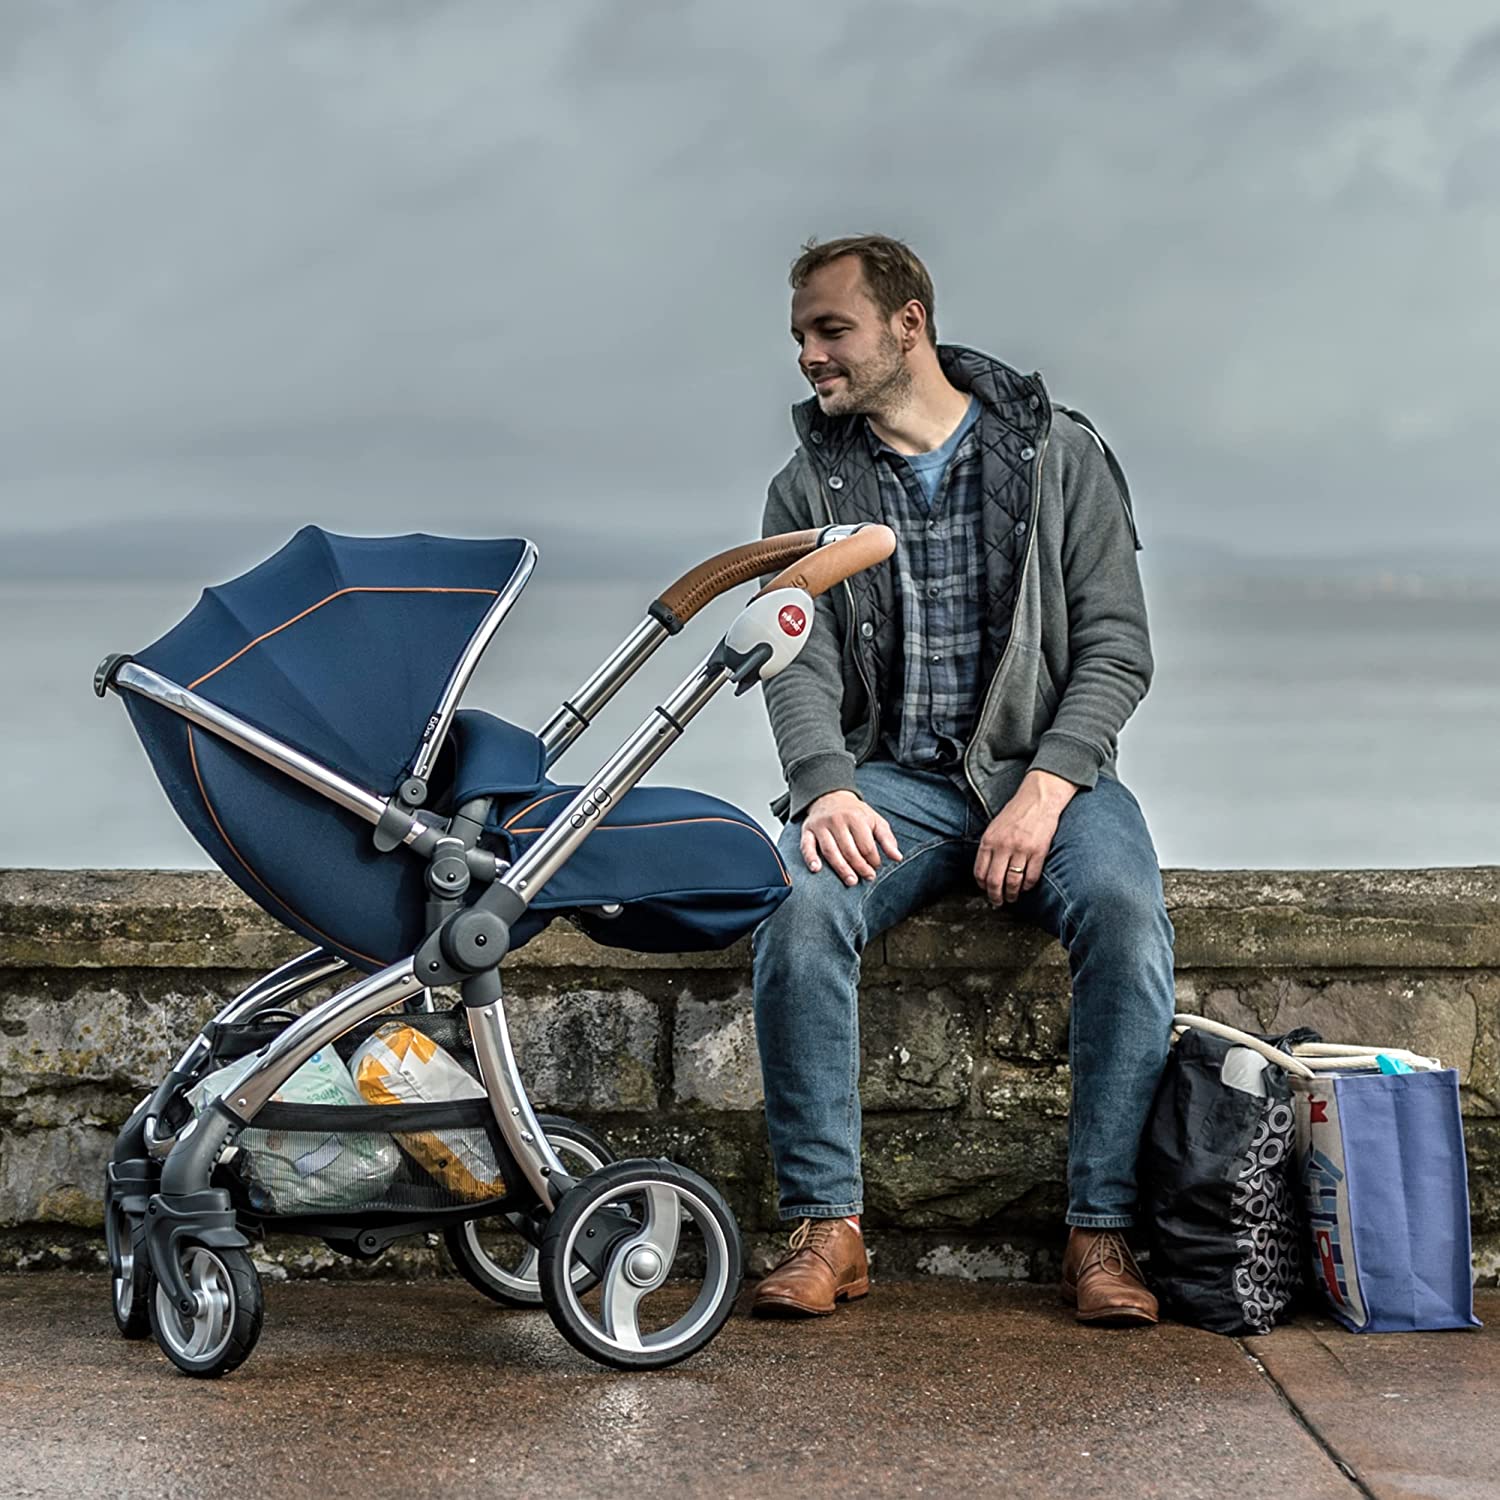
x=824 y=1265
x=1101 y=1279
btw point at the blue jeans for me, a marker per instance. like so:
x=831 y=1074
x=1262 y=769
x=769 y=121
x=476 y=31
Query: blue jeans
x=1100 y=894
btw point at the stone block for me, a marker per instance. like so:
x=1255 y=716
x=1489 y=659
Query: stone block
x=1022 y=1095
x=137 y=918
x=714 y=1061
x=54 y=1175
x=1482 y=1147
x=1000 y=1261
x=1483 y=1082
x=1026 y=1022
x=1401 y=919
x=941 y=1172
x=88 y=1104
x=967 y=933
x=121 y=1027
x=917 y=1047
x=1487 y=1260
x=587 y=1049
x=1433 y=1014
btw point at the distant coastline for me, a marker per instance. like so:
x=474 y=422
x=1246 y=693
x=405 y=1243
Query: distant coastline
x=200 y=553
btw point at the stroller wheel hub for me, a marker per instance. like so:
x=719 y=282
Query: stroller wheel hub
x=644 y=1266
x=638 y=1325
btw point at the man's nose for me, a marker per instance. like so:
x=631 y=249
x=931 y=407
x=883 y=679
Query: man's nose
x=812 y=356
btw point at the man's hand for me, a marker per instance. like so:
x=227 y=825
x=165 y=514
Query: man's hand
x=849 y=834
x=1015 y=845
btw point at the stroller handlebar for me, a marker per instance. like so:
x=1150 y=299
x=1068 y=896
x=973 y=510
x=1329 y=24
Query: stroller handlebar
x=820 y=556
x=821 y=570
x=793 y=551
x=727 y=570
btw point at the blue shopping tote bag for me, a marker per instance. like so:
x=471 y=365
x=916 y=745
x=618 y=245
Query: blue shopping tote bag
x=1386 y=1188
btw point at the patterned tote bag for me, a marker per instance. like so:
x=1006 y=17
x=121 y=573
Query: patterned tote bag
x=1219 y=1181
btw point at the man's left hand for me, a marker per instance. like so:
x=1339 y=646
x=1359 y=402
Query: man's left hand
x=1015 y=845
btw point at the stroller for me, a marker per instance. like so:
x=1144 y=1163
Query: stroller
x=304 y=721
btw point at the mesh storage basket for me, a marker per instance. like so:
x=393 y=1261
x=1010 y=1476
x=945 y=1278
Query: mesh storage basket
x=334 y=1159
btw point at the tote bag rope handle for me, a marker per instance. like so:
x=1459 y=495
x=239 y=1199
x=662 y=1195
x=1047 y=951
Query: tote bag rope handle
x=1343 y=1055
x=1321 y=1057
x=1244 y=1039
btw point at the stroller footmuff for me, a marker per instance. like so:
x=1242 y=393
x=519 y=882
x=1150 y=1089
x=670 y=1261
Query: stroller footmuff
x=304 y=721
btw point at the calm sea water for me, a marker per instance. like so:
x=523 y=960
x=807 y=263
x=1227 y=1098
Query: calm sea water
x=1282 y=730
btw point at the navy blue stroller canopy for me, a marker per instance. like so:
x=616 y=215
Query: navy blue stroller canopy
x=344 y=648
x=341 y=646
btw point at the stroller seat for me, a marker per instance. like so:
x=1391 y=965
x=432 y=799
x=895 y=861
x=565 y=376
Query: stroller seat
x=277 y=647
x=687 y=871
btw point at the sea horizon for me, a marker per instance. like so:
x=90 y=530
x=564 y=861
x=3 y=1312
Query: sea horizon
x=1296 y=720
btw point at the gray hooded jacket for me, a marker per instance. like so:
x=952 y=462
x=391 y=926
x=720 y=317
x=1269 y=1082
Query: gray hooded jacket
x=1070 y=654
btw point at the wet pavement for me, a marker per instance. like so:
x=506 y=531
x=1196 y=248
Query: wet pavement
x=933 y=1388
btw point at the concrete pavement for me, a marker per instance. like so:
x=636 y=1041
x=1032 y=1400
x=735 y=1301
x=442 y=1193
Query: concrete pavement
x=934 y=1388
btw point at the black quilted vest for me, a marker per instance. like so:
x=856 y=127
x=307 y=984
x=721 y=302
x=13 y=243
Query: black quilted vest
x=1013 y=421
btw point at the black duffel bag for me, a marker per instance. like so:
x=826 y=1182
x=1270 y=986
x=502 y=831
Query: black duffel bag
x=1218 y=1183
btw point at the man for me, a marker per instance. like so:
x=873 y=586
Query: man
x=953 y=716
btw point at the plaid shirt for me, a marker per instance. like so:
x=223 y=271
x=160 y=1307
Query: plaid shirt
x=941 y=586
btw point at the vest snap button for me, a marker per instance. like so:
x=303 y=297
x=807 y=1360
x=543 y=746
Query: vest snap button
x=867 y=630
x=835 y=483
x=1028 y=453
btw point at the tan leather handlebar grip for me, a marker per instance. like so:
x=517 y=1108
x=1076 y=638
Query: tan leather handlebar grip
x=819 y=571
x=727 y=571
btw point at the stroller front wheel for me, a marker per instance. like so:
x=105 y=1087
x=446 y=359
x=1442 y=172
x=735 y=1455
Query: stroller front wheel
x=218 y=1335
x=494 y=1256
x=129 y=1273
x=635 y=1223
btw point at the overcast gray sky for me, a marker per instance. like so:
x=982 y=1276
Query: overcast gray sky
x=485 y=268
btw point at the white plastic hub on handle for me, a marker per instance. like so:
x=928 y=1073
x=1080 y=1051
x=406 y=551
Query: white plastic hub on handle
x=781 y=620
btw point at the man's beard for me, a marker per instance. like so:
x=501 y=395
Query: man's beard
x=877 y=388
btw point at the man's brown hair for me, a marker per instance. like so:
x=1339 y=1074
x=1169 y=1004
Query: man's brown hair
x=892 y=271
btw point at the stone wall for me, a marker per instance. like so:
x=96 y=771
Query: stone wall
x=104 y=976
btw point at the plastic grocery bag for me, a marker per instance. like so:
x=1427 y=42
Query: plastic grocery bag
x=1386 y=1190
x=299 y=1171
x=401 y=1065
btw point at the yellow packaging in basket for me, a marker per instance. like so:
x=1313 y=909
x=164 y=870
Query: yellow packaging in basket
x=401 y=1065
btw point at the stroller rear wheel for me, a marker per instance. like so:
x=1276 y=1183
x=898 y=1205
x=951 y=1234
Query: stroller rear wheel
x=634 y=1223
x=218 y=1335
x=130 y=1275
x=495 y=1255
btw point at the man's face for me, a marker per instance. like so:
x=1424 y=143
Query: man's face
x=851 y=355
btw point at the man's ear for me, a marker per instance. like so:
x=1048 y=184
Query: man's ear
x=913 y=325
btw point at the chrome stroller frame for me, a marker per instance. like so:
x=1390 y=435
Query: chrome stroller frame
x=163 y=1209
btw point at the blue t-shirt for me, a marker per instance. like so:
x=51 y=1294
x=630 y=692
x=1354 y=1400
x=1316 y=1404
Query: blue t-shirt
x=930 y=467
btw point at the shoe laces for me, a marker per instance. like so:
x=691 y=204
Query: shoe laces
x=809 y=1232
x=1111 y=1254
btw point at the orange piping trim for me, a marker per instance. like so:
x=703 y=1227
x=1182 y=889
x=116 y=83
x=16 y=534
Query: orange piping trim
x=203 y=792
x=550 y=795
x=338 y=594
